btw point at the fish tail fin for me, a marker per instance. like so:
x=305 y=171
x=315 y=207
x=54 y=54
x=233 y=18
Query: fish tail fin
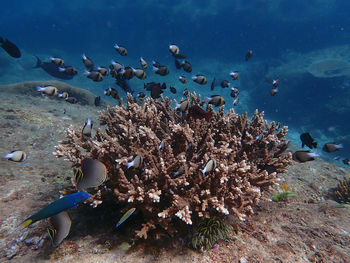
x=7 y=156
x=27 y=223
x=38 y=62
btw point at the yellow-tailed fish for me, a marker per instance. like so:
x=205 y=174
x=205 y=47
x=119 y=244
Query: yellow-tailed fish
x=125 y=216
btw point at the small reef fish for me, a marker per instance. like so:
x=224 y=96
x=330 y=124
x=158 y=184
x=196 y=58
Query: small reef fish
x=94 y=75
x=113 y=93
x=121 y=50
x=48 y=90
x=162 y=70
x=127 y=72
x=103 y=71
x=346 y=161
x=71 y=100
x=282 y=196
x=125 y=216
x=331 y=147
x=234 y=92
x=161 y=145
x=116 y=66
x=63 y=95
x=136 y=163
x=183 y=106
x=16 y=156
x=68 y=70
x=273 y=91
x=225 y=84
x=196 y=112
x=93 y=173
x=186 y=93
x=174 y=49
x=140 y=73
x=140 y=95
x=56 y=207
x=179 y=172
x=216 y=100
x=87 y=128
x=248 y=55
x=307 y=140
x=97 y=101
x=88 y=63
x=235 y=101
x=275 y=82
x=209 y=167
x=304 y=156
x=186 y=66
x=143 y=63
x=183 y=79
x=52 y=69
x=200 y=79
x=60 y=228
x=122 y=81
x=212 y=86
x=10 y=48
x=234 y=75
x=172 y=90
x=57 y=61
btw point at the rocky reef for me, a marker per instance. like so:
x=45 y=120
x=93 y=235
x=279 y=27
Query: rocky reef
x=188 y=168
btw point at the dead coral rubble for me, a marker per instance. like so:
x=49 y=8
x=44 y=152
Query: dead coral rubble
x=171 y=183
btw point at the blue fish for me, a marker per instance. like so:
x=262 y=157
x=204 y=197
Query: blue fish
x=125 y=216
x=57 y=206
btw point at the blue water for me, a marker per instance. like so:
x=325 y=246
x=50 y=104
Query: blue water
x=215 y=35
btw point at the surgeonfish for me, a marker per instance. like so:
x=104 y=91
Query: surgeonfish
x=216 y=100
x=10 y=48
x=103 y=71
x=48 y=90
x=200 y=79
x=140 y=73
x=94 y=75
x=225 y=84
x=125 y=216
x=307 y=140
x=60 y=227
x=332 y=147
x=87 y=128
x=183 y=106
x=63 y=95
x=71 y=100
x=16 y=156
x=248 y=55
x=183 y=79
x=121 y=50
x=304 y=156
x=52 y=69
x=56 y=207
x=93 y=173
x=88 y=63
x=143 y=63
x=57 y=61
x=209 y=167
x=234 y=75
x=68 y=70
x=136 y=163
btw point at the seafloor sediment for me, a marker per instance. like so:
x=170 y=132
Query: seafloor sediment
x=309 y=228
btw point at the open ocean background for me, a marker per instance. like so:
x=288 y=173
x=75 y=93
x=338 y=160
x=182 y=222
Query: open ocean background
x=215 y=35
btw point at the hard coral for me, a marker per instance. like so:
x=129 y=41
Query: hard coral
x=175 y=148
x=341 y=193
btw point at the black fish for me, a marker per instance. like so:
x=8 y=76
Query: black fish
x=346 y=161
x=177 y=64
x=97 y=101
x=172 y=90
x=307 y=140
x=123 y=83
x=212 y=84
x=10 y=48
x=52 y=69
x=149 y=86
x=156 y=91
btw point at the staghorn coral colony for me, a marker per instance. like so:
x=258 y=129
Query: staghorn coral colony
x=171 y=180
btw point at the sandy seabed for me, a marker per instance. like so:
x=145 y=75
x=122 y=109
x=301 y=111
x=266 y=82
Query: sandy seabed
x=309 y=228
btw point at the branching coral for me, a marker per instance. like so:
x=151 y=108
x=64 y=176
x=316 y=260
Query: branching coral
x=170 y=183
